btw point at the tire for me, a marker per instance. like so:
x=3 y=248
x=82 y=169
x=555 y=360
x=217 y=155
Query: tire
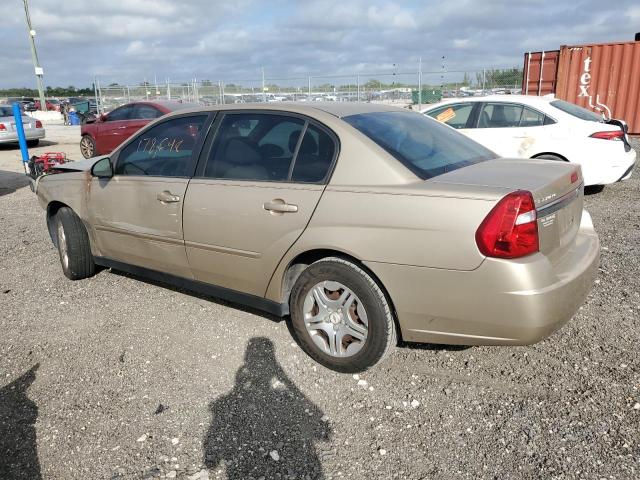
x=33 y=143
x=73 y=245
x=367 y=311
x=592 y=189
x=549 y=156
x=87 y=146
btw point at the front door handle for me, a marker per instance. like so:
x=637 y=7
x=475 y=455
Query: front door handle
x=279 y=206
x=168 y=197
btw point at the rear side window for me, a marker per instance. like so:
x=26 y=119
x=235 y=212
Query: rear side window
x=500 y=115
x=269 y=147
x=146 y=112
x=455 y=116
x=531 y=118
x=166 y=150
x=576 y=111
x=315 y=156
x=423 y=145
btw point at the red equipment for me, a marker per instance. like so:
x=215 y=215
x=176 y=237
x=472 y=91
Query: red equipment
x=45 y=162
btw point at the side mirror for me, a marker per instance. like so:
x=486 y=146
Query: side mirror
x=102 y=168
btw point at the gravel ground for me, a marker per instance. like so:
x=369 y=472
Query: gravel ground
x=114 y=377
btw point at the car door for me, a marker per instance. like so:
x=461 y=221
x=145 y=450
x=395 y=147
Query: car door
x=111 y=130
x=137 y=214
x=498 y=128
x=253 y=195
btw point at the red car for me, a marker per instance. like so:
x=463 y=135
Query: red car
x=103 y=135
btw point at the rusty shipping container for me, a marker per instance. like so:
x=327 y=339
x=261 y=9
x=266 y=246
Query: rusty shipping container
x=540 y=72
x=603 y=77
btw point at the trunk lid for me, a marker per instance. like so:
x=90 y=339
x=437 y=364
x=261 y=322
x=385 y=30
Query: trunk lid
x=556 y=188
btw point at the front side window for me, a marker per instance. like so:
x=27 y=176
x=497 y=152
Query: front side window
x=122 y=113
x=166 y=150
x=500 y=115
x=424 y=146
x=455 y=116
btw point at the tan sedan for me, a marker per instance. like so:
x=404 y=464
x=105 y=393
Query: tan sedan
x=365 y=223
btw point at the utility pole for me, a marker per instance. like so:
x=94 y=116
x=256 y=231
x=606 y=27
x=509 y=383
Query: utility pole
x=419 y=83
x=264 y=92
x=34 y=56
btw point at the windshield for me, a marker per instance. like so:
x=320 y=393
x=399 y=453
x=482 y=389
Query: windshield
x=576 y=111
x=427 y=147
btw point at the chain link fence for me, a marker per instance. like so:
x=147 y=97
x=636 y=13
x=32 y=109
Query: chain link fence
x=402 y=88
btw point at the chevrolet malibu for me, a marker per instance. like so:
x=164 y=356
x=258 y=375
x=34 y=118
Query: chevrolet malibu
x=364 y=223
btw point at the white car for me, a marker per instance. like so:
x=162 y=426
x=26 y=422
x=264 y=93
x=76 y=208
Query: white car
x=543 y=127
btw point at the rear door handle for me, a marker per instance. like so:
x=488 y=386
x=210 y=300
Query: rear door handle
x=122 y=128
x=168 y=197
x=279 y=206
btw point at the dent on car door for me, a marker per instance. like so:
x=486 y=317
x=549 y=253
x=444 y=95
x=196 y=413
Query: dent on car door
x=263 y=177
x=137 y=214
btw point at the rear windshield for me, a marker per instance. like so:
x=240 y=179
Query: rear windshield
x=427 y=147
x=6 y=112
x=576 y=111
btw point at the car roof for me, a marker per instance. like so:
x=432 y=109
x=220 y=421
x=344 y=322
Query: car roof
x=531 y=100
x=337 y=109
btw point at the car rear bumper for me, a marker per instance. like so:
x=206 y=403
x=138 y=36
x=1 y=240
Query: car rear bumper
x=608 y=168
x=30 y=134
x=502 y=302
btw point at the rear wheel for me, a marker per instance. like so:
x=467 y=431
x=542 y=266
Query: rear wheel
x=591 y=189
x=87 y=147
x=341 y=316
x=73 y=245
x=33 y=143
x=549 y=156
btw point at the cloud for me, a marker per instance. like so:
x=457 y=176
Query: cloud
x=125 y=41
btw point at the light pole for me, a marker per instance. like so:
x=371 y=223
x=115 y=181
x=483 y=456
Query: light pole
x=34 y=56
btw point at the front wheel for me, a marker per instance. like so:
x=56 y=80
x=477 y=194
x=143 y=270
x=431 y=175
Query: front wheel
x=87 y=147
x=341 y=316
x=73 y=245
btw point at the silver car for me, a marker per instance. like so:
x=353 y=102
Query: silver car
x=8 y=134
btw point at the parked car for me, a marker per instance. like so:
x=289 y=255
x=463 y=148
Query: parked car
x=543 y=127
x=365 y=223
x=33 y=130
x=51 y=103
x=107 y=131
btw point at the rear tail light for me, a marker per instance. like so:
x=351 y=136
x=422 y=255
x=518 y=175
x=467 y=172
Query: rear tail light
x=38 y=124
x=2 y=127
x=510 y=230
x=609 y=135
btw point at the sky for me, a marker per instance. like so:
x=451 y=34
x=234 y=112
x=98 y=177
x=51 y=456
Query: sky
x=129 y=41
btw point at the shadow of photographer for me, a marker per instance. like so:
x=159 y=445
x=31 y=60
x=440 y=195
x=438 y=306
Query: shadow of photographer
x=18 y=414
x=265 y=426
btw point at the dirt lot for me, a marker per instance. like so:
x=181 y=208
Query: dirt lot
x=115 y=377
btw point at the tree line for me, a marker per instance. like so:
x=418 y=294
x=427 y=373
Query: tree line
x=69 y=91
